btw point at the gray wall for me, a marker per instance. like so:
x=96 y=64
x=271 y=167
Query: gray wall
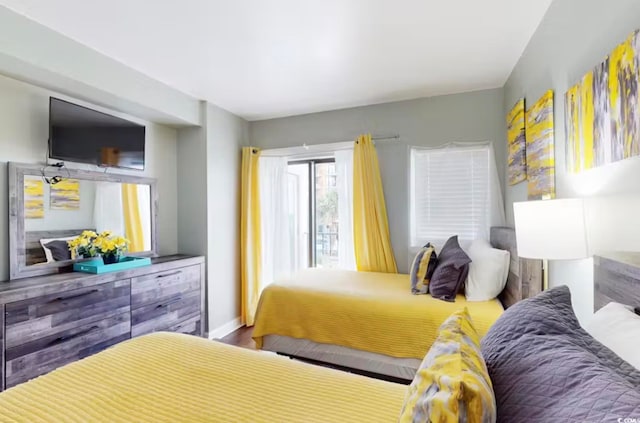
x=192 y=199
x=209 y=206
x=434 y=121
x=574 y=36
x=226 y=134
x=24 y=130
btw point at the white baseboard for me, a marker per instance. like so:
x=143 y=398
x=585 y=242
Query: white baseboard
x=226 y=329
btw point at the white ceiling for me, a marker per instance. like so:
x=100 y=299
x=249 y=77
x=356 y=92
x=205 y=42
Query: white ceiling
x=271 y=58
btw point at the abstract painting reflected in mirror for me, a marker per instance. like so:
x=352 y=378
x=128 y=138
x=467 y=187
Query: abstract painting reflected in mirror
x=58 y=213
x=33 y=199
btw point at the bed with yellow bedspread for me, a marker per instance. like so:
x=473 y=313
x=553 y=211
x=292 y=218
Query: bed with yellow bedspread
x=167 y=377
x=373 y=312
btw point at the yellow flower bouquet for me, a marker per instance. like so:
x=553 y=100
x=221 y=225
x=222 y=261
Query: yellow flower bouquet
x=82 y=246
x=111 y=247
x=90 y=244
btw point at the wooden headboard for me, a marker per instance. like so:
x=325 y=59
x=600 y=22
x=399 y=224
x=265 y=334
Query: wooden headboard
x=34 y=253
x=525 y=275
x=616 y=278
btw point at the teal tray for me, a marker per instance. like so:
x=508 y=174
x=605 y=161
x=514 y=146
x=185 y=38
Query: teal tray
x=97 y=266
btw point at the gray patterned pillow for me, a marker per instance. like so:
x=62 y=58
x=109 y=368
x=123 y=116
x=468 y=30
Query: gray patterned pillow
x=422 y=269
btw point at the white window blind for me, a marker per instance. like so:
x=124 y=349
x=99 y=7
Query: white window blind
x=450 y=193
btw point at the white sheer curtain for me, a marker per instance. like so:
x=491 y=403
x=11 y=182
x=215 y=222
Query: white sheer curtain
x=274 y=219
x=344 y=187
x=454 y=191
x=278 y=223
x=108 y=211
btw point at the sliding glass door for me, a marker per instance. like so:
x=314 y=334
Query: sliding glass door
x=299 y=214
x=313 y=212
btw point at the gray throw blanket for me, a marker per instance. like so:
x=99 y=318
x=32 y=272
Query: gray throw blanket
x=545 y=368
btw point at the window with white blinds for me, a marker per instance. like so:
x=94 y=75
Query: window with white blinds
x=450 y=193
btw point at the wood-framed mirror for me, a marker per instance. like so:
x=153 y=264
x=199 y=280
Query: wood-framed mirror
x=42 y=214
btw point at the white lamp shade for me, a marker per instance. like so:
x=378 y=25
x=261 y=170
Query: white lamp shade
x=551 y=229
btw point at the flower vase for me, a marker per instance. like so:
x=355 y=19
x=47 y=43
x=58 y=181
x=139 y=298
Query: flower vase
x=110 y=258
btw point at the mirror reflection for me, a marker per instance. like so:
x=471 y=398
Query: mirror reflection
x=57 y=213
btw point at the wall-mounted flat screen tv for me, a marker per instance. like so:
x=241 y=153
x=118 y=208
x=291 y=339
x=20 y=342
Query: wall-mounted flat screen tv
x=79 y=134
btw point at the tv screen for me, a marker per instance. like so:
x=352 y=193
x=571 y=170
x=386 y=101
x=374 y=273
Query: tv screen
x=79 y=134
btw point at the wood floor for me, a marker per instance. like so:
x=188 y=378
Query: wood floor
x=240 y=338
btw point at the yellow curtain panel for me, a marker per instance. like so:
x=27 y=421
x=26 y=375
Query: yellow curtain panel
x=370 y=226
x=132 y=220
x=250 y=235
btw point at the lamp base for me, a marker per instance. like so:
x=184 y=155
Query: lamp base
x=545 y=274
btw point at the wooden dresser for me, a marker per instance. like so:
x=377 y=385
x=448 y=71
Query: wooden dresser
x=50 y=321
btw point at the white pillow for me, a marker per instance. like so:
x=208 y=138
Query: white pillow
x=488 y=271
x=617 y=327
x=47 y=252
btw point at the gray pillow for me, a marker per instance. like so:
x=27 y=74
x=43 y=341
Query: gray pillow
x=59 y=250
x=545 y=368
x=451 y=271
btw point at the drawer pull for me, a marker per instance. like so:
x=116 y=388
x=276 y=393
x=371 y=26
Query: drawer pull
x=71 y=297
x=73 y=336
x=168 y=303
x=166 y=275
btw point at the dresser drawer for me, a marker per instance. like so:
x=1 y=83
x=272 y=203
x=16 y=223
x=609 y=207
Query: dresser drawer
x=47 y=316
x=190 y=326
x=164 y=286
x=166 y=314
x=32 y=359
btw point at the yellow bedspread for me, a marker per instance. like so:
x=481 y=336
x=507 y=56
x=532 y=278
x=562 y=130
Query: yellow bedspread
x=178 y=378
x=373 y=312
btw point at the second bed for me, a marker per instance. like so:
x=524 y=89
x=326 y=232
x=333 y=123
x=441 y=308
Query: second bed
x=370 y=323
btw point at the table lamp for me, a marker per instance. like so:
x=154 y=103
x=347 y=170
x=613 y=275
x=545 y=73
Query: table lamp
x=551 y=230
